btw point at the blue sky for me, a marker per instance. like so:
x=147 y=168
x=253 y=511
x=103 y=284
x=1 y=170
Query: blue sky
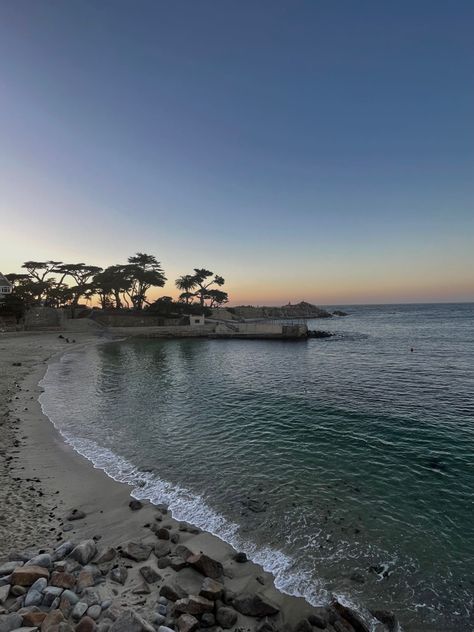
x=304 y=150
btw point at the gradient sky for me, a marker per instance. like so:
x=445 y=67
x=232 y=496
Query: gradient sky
x=319 y=150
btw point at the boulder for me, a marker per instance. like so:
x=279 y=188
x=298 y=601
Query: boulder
x=4 y=592
x=177 y=563
x=62 y=580
x=107 y=555
x=33 y=598
x=79 y=610
x=163 y=534
x=211 y=589
x=162 y=549
x=49 y=595
x=62 y=551
x=387 y=618
x=86 y=624
x=208 y=620
x=319 y=618
x=253 y=605
x=194 y=604
x=355 y=619
x=8 y=567
x=149 y=574
x=172 y=591
x=84 y=552
x=27 y=575
x=226 y=617
x=34 y=618
x=206 y=565
x=94 y=611
x=75 y=514
x=9 y=622
x=51 y=621
x=304 y=626
x=187 y=623
x=119 y=575
x=43 y=560
x=241 y=558
x=135 y=505
x=136 y=551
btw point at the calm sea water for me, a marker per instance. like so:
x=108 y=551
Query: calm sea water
x=343 y=465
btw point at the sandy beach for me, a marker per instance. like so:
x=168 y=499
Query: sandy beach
x=44 y=480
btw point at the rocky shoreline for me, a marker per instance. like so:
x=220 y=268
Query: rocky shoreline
x=76 y=553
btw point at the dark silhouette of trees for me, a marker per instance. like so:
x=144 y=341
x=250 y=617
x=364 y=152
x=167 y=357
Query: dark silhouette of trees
x=200 y=286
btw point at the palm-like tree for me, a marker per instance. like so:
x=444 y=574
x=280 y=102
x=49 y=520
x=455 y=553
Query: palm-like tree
x=186 y=284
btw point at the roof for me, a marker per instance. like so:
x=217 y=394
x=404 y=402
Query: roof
x=4 y=282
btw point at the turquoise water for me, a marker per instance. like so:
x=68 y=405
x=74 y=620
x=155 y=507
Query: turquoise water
x=343 y=465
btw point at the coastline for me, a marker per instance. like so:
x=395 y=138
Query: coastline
x=49 y=479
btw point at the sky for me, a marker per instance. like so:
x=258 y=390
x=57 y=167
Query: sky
x=304 y=150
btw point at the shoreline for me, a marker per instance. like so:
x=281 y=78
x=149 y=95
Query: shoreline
x=63 y=480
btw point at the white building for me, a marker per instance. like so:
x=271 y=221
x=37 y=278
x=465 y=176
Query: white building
x=196 y=321
x=5 y=286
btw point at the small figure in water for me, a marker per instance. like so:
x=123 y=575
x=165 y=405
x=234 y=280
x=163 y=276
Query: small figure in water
x=412 y=349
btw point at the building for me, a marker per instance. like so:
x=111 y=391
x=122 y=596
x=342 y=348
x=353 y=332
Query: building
x=5 y=286
x=196 y=321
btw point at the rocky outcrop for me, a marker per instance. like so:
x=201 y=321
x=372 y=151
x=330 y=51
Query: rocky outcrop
x=299 y=310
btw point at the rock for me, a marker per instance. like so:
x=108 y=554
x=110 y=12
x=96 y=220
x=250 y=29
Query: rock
x=387 y=618
x=106 y=604
x=183 y=551
x=208 y=620
x=62 y=551
x=187 y=623
x=27 y=575
x=158 y=619
x=33 y=598
x=104 y=626
x=94 y=612
x=106 y=556
x=85 y=579
x=177 y=563
x=34 y=618
x=163 y=562
x=266 y=626
x=4 y=592
x=319 y=618
x=84 y=552
x=50 y=594
x=136 y=551
x=90 y=597
x=86 y=624
x=351 y=616
x=172 y=591
x=129 y=621
x=75 y=514
x=18 y=591
x=135 y=505
x=162 y=549
x=254 y=606
x=43 y=560
x=64 y=626
x=79 y=610
x=70 y=596
x=194 y=605
x=9 y=622
x=9 y=567
x=163 y=534
x=62 y=580
x=206 y=565
x=227 y=617
x=163 y=628
x=241 y=558
x=304 y=626
x=228 y=596
x=119 y=575
x=149 y=574
x=51 y=621
x=211 y=589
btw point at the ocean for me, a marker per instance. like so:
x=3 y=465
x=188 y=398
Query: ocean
x=343 y=465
